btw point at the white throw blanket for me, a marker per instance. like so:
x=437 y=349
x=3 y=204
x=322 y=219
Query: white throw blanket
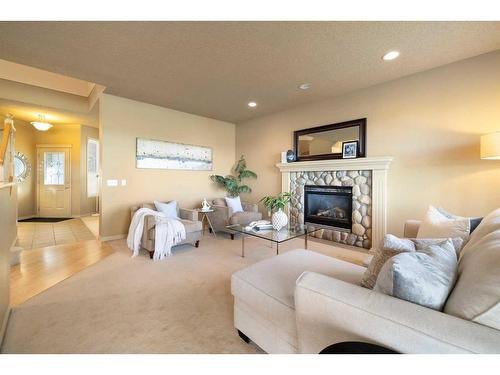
x=168 y=232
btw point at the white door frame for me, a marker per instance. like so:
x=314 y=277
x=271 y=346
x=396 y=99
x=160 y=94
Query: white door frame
x=38 y=173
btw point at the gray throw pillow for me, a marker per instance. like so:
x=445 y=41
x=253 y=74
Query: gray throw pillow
x=390 y=246
x=425 y=276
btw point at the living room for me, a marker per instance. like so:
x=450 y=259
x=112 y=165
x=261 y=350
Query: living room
x=262 y=187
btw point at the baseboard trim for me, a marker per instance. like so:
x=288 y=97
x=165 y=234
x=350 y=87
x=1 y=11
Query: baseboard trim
x=3 y=329
x=26 y=217
x=112 y=238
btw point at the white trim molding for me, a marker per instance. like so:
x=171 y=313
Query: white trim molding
x=379 y=167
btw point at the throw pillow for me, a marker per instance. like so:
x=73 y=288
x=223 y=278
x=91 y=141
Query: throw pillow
x=474 y=221
x=425 y=277
x=390 y=246
x=169 y=209
x=234 y=204
x=438 y=225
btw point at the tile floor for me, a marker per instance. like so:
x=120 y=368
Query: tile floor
x=35 y=235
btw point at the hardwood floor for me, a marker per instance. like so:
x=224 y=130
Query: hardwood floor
x=39 y=269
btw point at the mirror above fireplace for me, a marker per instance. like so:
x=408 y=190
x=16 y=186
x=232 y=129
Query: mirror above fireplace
x=325 y=142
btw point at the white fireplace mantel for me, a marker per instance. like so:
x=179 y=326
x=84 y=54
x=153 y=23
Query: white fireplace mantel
x=379 y=167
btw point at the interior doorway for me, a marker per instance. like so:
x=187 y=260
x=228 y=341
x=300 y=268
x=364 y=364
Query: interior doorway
x=54 y=181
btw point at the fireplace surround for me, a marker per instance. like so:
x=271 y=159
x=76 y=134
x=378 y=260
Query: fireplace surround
x=368 y=179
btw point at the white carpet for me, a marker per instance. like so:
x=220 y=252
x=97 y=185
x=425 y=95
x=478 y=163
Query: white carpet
x=134 y=305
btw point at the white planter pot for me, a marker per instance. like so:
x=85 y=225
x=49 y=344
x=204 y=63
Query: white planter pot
x=279 y=220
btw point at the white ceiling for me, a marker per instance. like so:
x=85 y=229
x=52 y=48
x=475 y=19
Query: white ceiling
x=214 y=68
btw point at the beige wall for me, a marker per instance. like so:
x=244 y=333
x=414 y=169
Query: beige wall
x=8 y=233
x=430 y=122
x=26 y=190
x=122 y=121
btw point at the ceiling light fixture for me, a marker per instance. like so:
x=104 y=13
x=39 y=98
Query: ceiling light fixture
x=390 y=56
x=252 y=104
x=304 y=86
x=41 y=125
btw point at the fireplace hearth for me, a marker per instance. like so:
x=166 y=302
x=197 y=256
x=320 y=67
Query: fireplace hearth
x=328 y=205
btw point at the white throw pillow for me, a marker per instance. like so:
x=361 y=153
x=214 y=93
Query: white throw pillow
x=234 y=204
x=438 y=225
x=169 y=209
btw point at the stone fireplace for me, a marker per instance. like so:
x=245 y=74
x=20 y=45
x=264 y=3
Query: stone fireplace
x=346 y=199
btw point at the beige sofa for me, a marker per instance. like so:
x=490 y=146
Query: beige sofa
x=189 y=218
x=224 y=216
x=302 y=302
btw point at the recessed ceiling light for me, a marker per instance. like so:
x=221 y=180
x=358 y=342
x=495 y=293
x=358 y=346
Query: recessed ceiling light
x=252 y=104
x=390 y=55
x=304 y=86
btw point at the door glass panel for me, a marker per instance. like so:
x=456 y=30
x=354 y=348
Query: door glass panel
x=53 y=168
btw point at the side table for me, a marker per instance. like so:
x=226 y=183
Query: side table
x=205 y=217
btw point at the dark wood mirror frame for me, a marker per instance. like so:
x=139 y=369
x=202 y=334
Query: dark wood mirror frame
x=360 y=123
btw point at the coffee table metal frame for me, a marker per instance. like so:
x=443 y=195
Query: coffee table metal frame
x=283 y=235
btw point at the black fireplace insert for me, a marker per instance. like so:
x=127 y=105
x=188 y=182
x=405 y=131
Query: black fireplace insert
x=328 y=205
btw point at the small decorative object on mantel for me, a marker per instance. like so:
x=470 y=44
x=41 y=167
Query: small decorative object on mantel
x=290 y=156
x=350 y=150
x=204 y=205
x=279 y=219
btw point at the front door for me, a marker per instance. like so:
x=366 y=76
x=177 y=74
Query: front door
x=54 y=182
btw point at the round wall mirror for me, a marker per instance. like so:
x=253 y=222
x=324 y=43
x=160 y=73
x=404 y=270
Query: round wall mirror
x=22 y=167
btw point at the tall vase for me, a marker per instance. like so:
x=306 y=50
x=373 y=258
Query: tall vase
x=279 y=219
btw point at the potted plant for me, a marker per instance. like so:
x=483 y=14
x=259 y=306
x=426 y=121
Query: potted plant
x=279 y=202
x=231 y=183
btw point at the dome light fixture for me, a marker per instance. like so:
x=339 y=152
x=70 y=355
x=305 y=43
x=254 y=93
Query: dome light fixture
x=304 y=86
x=392 y=55
x=252 y=104
x=41 y=124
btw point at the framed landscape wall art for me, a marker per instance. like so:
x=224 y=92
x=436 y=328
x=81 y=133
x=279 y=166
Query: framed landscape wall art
x=155 y=154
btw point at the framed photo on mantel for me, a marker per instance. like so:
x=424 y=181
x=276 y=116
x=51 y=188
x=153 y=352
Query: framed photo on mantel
x=350 y=150
x=327 y=141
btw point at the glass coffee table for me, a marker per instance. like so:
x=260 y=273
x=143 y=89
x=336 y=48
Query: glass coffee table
x=271 y=235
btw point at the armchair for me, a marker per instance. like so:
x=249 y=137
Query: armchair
x=188 y=217
x=224 y=215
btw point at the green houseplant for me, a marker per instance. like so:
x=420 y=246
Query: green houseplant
x=233 y=183
x=279 y=202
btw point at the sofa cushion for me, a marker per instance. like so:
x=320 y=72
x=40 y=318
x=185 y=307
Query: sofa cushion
x=244 y=218
x=219 y=202
x=191 y=226
x=275 y=277
x=268 y=286
x=424 y=277
x=476 y=295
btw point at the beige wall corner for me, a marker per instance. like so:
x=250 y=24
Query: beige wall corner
x=8 y=234
x=430 y=122
x=121 y=122
x=26 y=190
